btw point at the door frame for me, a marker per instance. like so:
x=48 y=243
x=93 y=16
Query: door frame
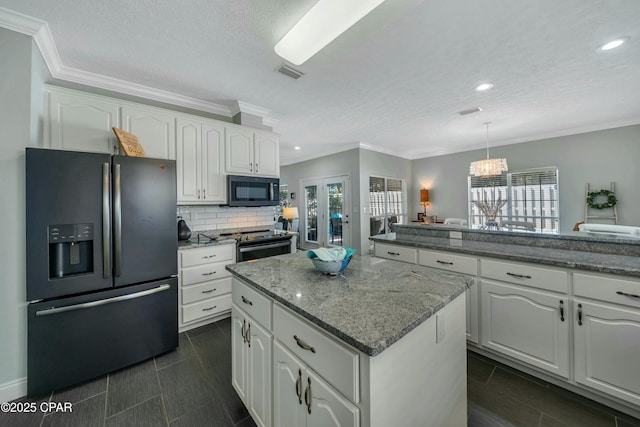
x=322 y=229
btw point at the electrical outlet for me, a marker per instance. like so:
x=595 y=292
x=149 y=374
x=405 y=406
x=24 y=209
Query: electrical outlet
x=455 y=234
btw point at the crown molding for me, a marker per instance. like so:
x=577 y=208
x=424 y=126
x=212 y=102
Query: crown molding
x=244 y=107
x=43 y=38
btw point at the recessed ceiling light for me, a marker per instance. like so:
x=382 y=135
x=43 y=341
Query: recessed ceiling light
x=484 y=86
x=296 y=148
x=613 y=43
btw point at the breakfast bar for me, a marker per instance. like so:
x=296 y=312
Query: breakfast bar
x=382 y=343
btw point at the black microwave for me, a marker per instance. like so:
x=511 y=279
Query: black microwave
x=253 y=191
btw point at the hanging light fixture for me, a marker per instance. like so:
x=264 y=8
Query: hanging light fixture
x=488 y=167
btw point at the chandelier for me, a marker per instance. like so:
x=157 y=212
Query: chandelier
x=488 y=167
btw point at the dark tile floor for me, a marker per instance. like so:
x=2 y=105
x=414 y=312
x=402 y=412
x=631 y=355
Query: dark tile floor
x=191 y=387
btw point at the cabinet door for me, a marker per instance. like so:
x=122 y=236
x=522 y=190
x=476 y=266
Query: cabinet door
x=213 y=178
x=239 y=355
x=260 y=343
x=606 y=349
x=154 y=128
x=188 y=162
x=80 y=122
x=527 y=324
x=328 y=408
x=266 y=154
x=288 y=390
x=239 y=151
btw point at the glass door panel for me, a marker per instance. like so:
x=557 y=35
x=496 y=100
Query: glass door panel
x=335 y=204
x=311 y=213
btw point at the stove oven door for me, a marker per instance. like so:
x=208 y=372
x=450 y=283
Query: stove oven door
x=256 y=251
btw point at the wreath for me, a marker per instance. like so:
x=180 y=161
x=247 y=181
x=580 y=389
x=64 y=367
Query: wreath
x=611 y=199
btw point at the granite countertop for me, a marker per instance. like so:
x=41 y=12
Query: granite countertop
x=604 y=263
x=372 y=305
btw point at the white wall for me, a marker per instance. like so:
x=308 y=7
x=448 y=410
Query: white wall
x=595 y=157
x=20 y=128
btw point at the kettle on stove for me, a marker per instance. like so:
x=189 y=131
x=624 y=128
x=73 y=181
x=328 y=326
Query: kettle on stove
x=183 y=230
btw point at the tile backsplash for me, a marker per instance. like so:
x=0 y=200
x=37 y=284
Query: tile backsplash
x=201 y=218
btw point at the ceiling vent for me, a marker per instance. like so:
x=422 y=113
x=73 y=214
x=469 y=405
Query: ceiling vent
x=470 y=111
x=290 y=72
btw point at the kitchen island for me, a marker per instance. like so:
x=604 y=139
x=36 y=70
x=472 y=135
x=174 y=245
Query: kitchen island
x=381 y=344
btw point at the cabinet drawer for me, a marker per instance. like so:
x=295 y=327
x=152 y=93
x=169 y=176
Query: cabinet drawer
x=608 y=289
x=447 y=261
x=206 y=290
x=524 y=274
x=399 y=253
x=204 y=273
x=336 y=363
x=206 y=308
x=193 y=257
x=252 y=302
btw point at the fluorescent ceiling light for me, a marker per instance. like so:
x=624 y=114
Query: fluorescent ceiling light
x=614 y=43
x=484 y=86
x=325 y=21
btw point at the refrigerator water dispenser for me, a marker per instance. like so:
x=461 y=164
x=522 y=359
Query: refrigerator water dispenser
x=70 y=249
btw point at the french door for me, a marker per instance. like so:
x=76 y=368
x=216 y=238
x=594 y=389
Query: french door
x=326 y=207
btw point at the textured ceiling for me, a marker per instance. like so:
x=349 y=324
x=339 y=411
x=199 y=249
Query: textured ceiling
x=394 y=82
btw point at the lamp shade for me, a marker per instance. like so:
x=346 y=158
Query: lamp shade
x=290 y=213
x=424 y=196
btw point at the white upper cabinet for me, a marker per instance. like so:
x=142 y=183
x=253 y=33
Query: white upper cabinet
x=155 y=129
x=251 y=153
x=199 y=162
x=267 y=154
x=81 y=122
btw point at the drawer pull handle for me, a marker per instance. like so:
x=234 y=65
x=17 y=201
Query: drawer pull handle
x=307 y=395
x=243 y=330
x=522 y=276
x=299 y=386
x=393 y=253
x=444 y=262
x=562 y=311
x=209 y=274
x=209 y=308
x=208 y=256
x=208 y=291
x=580 y=314
x=246 y=301
x=303 y=344
x=249 y=335
x=627 y=295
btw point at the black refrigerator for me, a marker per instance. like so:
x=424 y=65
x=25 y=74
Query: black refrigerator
x=101 y=264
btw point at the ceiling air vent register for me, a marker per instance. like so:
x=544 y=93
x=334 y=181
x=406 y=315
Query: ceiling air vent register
x=290 y=72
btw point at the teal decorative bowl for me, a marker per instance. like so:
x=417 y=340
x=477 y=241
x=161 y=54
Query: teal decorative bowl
x=330 y=267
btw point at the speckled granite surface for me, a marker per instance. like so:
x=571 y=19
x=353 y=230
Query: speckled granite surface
x=372 y=305
x=593 y=261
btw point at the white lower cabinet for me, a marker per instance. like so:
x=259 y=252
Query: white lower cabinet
x=205 y=284
x=251 y=347
x=302 y=398
x=527 y=324
x=607 y=335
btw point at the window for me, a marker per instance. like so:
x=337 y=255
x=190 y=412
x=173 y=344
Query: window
x=531 y=196
x=386 y=204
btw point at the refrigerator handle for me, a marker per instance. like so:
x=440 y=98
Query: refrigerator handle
x=56 y=310
x=106 y=221
x=117 y=221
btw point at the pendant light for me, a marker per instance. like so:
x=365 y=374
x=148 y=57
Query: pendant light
x=488 y=167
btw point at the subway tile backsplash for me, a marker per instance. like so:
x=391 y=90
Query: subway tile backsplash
x=201 y=218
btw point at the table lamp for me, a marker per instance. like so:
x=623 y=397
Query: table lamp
x=290 y=214
x=424 y=201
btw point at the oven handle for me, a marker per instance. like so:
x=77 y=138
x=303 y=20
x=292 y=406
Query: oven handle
x=54 y=310
x=269 y=246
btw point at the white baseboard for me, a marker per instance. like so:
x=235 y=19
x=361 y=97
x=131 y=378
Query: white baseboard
x=13 y=389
